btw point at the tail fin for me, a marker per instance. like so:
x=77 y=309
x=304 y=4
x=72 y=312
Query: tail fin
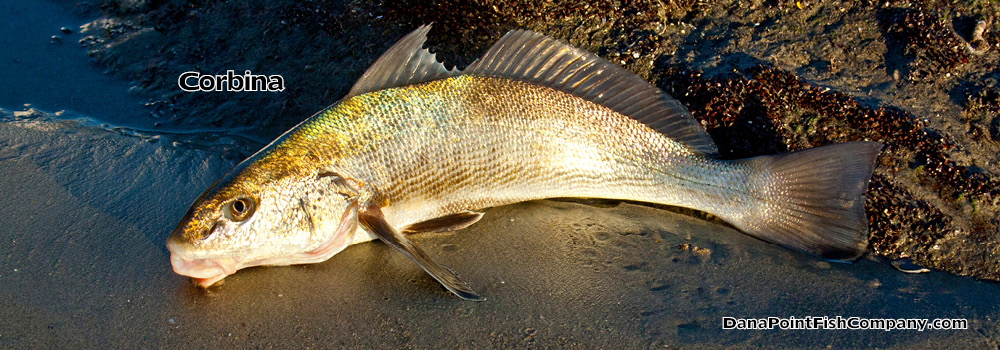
x=814 y=199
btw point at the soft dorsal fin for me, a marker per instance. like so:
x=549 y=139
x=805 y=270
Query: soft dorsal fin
x=405 y=63
x=536 y=58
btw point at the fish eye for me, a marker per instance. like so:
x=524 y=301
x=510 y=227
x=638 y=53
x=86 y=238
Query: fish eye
x=240 y=209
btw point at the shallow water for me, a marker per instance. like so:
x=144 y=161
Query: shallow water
x=87 y=207
x=57 y=76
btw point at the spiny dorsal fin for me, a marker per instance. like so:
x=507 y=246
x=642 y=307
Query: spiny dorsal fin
x=405 y=63
x=532 y=57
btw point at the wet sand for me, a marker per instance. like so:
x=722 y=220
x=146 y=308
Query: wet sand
x=88 y=206
x=88 y=210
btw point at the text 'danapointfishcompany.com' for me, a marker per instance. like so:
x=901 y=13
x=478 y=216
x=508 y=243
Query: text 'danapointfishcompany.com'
x=840 y=322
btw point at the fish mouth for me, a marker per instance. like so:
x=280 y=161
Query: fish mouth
x=207 y=271
x=204 y=272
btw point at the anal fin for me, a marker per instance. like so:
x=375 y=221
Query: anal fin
x=451 y=222
x=372 y=219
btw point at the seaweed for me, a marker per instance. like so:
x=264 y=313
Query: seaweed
x=930 y=43
x=750 y=112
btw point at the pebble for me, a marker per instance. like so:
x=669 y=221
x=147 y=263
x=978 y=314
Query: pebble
x=908 y=266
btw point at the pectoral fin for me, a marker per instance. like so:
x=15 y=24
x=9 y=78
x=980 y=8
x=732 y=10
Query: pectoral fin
x=372 y=219
x=445 y=223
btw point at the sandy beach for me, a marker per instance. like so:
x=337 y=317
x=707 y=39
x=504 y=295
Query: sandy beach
x=96 y=173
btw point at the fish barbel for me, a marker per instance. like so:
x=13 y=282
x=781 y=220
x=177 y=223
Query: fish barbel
x=415 y=147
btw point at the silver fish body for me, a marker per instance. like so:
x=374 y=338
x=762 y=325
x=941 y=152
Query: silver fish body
x=471 y=142
x=426 y=149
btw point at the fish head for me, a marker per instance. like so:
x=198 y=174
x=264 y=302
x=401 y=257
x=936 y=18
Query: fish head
x=250 y=220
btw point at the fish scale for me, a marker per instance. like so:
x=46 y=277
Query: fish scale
x=559 y=145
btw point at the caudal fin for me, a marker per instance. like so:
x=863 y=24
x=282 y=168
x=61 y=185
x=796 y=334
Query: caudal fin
x=814 y=199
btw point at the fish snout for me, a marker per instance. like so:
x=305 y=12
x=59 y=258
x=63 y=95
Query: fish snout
x=203 y=271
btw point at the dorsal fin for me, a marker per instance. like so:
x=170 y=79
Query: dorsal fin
x=532 y=57
x=405 y=63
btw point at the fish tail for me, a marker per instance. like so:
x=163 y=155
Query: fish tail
x=812 y=200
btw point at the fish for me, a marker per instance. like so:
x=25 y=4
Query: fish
x=416 y=147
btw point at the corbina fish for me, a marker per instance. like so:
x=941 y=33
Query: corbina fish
x=415 y=147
